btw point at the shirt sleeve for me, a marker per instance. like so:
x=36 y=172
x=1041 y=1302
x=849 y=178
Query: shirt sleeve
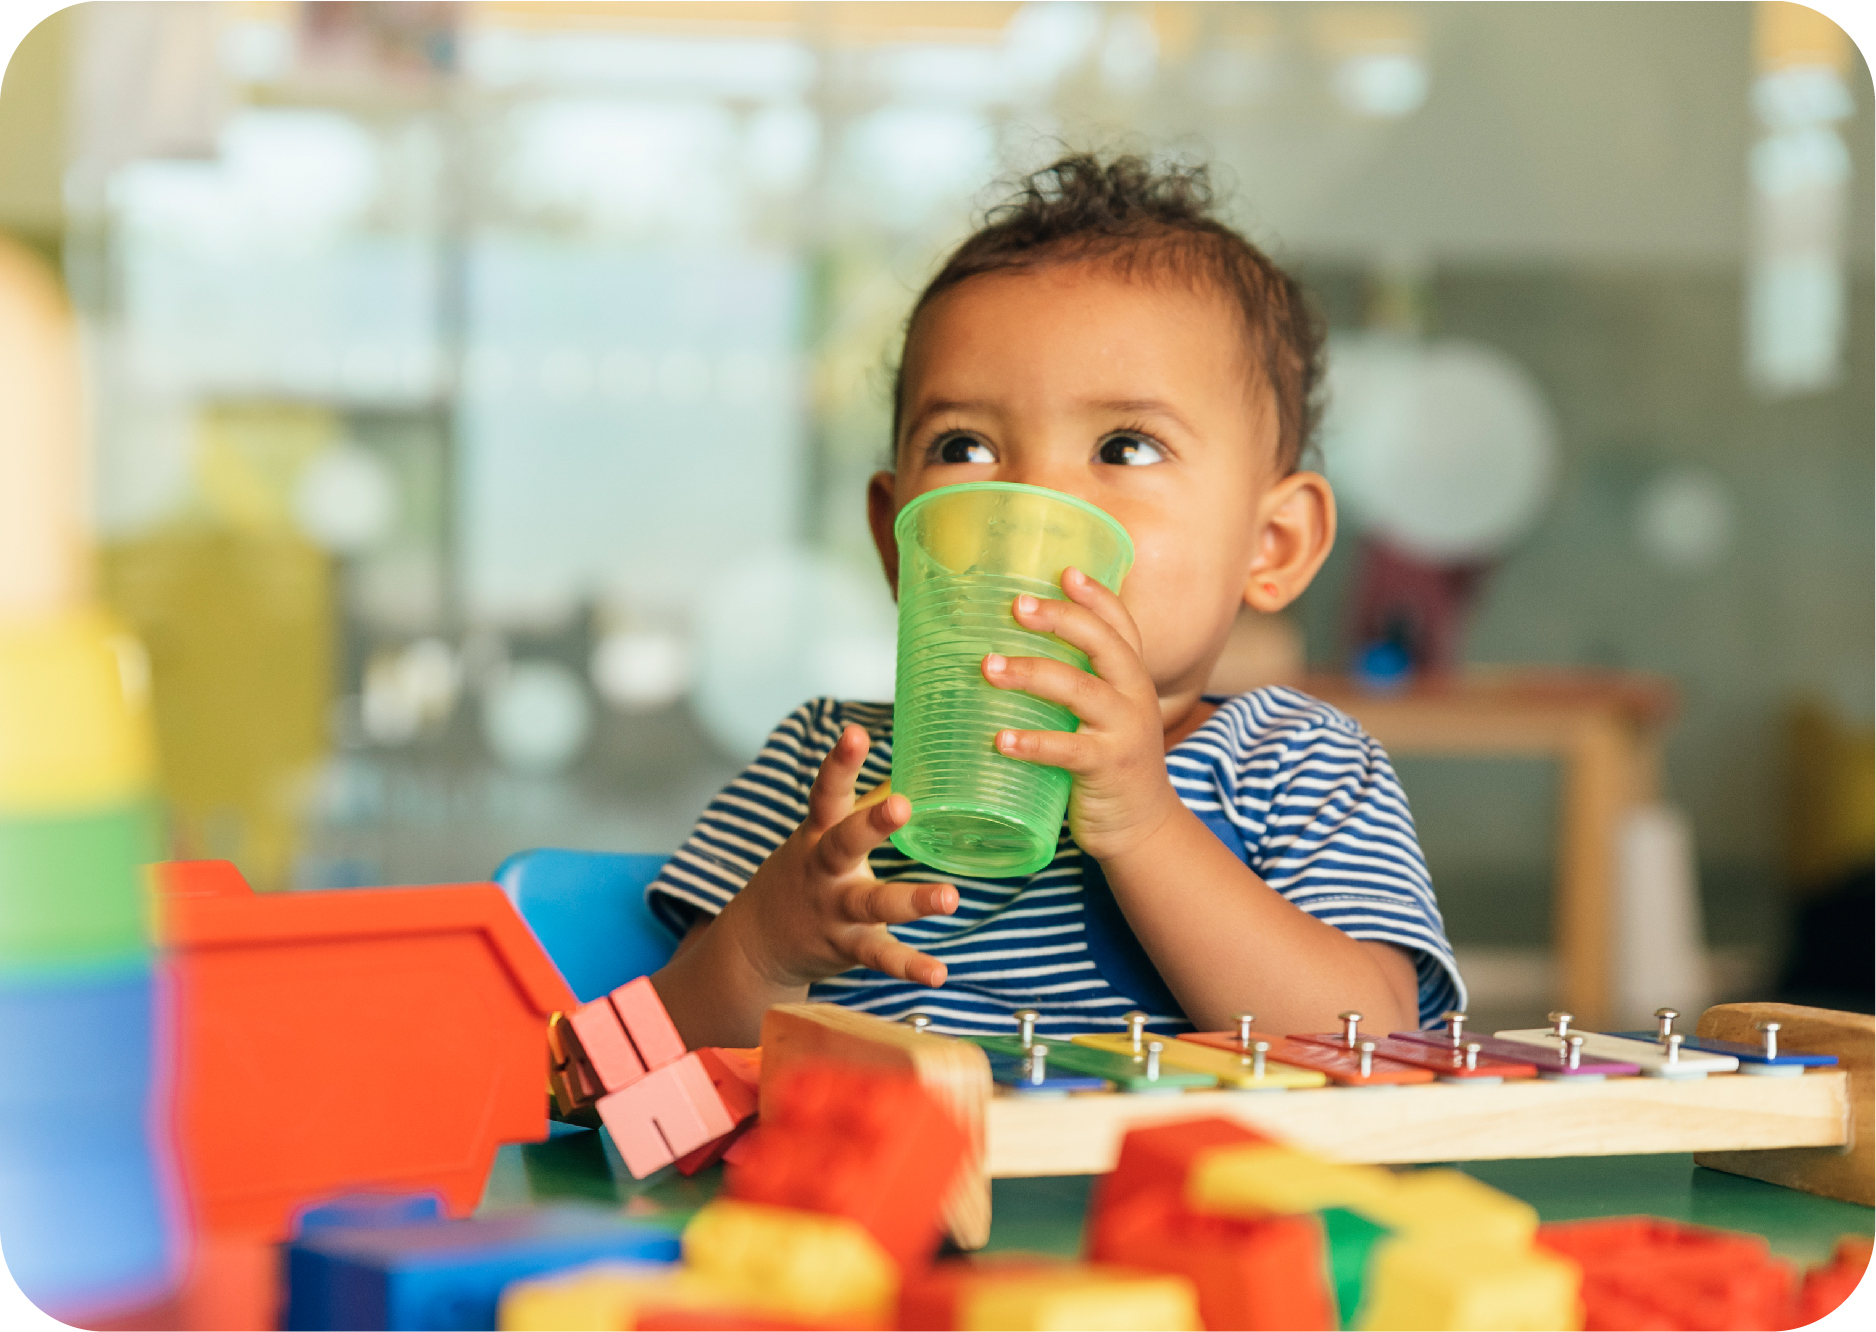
x=1338 y=840
x=745 y=823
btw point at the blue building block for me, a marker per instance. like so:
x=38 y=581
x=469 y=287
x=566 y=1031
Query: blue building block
x=89 y=1214
x=449 y=1275
x=588 y=910
x=358 y=1211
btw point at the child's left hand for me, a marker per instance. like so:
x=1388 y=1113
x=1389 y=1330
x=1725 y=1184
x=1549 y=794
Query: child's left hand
x=1122 y=793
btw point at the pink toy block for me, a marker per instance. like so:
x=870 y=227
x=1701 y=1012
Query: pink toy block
x=646 y=1022
x=604 y=1043
x=668 y=1113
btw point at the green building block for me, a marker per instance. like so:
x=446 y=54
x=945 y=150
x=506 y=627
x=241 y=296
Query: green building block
x=1348 y=1240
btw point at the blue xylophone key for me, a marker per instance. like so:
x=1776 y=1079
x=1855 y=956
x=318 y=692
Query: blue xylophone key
x=1014 y=1072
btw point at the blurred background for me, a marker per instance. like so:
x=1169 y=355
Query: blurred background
x=482 y=396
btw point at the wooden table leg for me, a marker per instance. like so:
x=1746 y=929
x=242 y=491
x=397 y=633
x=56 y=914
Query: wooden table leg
x=1596 y=792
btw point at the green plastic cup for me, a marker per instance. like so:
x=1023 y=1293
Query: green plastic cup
x=965 y=553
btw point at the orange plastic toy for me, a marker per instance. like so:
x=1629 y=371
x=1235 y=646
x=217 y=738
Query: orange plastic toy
x=365 y=1038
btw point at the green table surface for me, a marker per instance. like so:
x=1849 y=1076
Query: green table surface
x=1045 y=1215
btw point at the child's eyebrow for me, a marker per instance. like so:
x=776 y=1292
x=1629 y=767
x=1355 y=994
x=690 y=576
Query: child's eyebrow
x=1142 y=407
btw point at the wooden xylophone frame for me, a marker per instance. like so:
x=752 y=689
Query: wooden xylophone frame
x=1080 y=1135
x=1814 y=1131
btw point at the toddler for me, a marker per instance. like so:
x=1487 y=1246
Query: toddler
x=1102 y=335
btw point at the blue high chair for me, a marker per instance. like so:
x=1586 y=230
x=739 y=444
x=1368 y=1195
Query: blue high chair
x=588 y=910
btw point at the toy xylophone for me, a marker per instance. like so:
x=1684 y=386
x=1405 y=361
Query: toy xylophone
x=1773 y=1091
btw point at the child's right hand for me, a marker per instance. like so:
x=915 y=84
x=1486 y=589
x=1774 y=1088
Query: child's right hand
x=814 y=909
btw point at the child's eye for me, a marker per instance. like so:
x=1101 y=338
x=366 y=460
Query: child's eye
x=958 y=448
x=1126 y=449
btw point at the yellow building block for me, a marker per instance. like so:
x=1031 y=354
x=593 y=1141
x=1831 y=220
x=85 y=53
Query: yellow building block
x=1230 y=1069
x=74 y=722
x=602 y=1297
x=1431 y=1284
x=1269 y=1179
x=801 y=1265
x=1452 y=1206
x=1093 y=1298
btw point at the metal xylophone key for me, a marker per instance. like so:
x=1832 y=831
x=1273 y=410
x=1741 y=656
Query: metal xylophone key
x=1664 y=1057
x=1562 y=1057
x=1332 y=1056
x=1246 y=1067
x=1126 y=1071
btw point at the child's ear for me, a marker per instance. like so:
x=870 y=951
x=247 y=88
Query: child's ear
x=1295 y=530
x=881 y=509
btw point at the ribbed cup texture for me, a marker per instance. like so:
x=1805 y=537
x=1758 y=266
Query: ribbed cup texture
x=976 y=812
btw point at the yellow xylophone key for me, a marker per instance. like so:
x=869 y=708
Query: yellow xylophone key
x=1231 y=1070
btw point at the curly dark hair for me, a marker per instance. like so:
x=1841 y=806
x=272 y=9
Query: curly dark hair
x=1155 y=223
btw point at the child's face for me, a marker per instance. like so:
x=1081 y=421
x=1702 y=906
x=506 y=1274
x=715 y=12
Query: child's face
x=1136 y=396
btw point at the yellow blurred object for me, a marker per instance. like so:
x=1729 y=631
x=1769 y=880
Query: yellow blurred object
x=74 y=721
x=1451 y=1205
x=1267 y=1179
x=1784 y=35
x=1434 y=1282
x=239 y=629
x=1088 y=1298
x=249 y=456
x=1831 y=817
x=598 y=1298
x=236 y=608
x=42 y=565
x=802 y=1266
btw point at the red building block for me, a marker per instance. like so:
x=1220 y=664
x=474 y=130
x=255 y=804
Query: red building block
x=1157 y=1160
x=306 y=1022
x=642 y=1014
x=668 y=1113
x=600 y=1038
x=1267 y=1273
x=846 y=1141
x=1646 y=1272
x=1829 y=1285
x=736 y=1075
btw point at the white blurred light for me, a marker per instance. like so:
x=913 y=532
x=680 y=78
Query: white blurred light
x=1045 y=39
x=566 y=374
x=1382 y=84
x=783 y=626
x=1446 y=448
x=537 y=718
x=781 y=145
x=1685 y=520
x=642 y=670
x=1798 y=159
x=1129 y=53
x=683 y=377
x=345 y=498
x=744 y=377
x=624 y=374
x=409 y=690
x=1798 y=95
x=488 y=370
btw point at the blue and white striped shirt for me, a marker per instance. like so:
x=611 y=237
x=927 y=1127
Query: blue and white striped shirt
x=1295 y=788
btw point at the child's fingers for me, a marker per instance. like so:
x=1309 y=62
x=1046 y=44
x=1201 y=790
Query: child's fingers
x=878 y=950
x=1090 y=697
x=897 y=903
x=1095 y=595
x=1071 y=751
x=831 y=798
x=1111 y=653
x=843 y=847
